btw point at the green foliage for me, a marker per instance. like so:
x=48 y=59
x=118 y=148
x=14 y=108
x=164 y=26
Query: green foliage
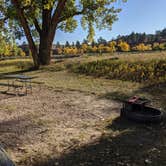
x=96 y=13
x=151 y=71
x=137 y=38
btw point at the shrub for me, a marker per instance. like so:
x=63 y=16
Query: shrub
x=70 y=51
x=142 y=47
x=133 y=71
x=112 y=46
x=123 y=46
x=84 y=47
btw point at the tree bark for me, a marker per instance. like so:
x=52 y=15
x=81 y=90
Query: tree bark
x=47 y=34
x=45 y=42
x=45 y=49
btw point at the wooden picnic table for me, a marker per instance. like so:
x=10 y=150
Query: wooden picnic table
x=25 y=81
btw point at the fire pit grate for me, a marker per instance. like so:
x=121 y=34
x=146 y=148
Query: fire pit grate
x=136 y=109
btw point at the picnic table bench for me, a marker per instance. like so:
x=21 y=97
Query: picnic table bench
x=23 y=79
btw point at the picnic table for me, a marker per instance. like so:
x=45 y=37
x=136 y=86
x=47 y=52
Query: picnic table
x=23 y=79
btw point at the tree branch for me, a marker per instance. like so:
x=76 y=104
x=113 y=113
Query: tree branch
x=46 y=19
x=71 y=15
x=58 y=11
x=37 y=25
x=54 y=20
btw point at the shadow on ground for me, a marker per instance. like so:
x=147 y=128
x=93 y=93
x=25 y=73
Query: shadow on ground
x=123 y=144
x=16 y=72
x=13 y=131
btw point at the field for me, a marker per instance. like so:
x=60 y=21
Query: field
x=74 y=119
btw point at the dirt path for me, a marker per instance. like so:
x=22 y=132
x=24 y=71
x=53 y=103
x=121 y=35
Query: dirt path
x=50 y=122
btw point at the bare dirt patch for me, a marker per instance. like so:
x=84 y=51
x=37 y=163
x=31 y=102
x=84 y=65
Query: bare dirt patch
x=50 y=122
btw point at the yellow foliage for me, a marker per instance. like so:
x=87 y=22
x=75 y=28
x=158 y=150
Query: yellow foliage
x=7 y=50
x=142 y=47
x=112 y=46
x=84 y=47
x=101 y=48
x=70 y=51
x=94 y=49
x=156 y=46
x=27 y=2
x=123 y=46
x=21 y=53
x=162 y=46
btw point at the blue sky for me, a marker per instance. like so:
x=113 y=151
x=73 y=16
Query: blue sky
x=136 y=15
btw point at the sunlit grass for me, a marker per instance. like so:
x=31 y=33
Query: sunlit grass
x=14 y=65
x=57 y=76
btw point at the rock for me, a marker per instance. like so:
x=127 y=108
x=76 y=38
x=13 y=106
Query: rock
x=4 y=159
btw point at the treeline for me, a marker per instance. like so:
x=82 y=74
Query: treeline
x=112 y=46
x=132 y=42
x=137 y=38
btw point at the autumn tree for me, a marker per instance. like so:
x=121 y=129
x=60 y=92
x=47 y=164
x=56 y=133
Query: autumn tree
x=8 y=47
x=112 y=46
x=39 y=20
x=123 y=46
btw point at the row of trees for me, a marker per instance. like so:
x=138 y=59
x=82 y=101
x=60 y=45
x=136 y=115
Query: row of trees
x=137 y=38
x=109 y=47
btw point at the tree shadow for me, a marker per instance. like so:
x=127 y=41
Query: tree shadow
x=16 y=72
x=14 y=130
x=124 y=144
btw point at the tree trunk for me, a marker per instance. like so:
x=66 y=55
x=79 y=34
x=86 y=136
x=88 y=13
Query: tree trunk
x=35 y=57
x=27 y=31
x=45 y=49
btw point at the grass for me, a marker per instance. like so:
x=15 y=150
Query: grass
x=58 y=76
x=15 y=65
x=121 y=142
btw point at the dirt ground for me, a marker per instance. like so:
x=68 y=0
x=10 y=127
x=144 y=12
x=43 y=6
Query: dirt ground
x=74 y=120
x=49 y=123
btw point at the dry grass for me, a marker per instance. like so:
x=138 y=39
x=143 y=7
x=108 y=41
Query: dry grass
x=74 y=119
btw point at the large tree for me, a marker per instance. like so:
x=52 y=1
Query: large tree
x=39 y=19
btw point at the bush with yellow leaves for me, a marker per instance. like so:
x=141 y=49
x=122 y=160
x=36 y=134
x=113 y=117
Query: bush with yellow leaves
x=70 y=51
x=142 y=47
x=123 y=46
